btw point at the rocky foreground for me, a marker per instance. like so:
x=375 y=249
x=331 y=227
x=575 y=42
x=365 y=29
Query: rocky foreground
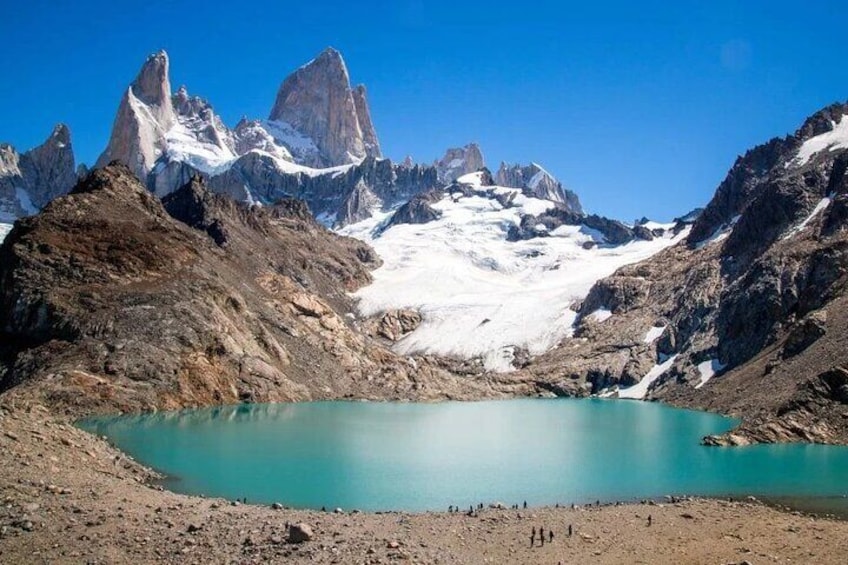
x=69 y=497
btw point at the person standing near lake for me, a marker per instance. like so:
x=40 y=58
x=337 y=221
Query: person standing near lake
x=550 y=536
x=532 y=536
x=542 y=535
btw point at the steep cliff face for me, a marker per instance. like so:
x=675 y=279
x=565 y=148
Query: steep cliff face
x=144 y=116
x=30 y=180
x=363 y=114
x=317 y=101
x=748 y=315
x=339 y=196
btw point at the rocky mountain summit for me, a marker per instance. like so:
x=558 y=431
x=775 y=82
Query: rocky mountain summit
x=30 y=180
x=317 y=121
x=747 y=315
x=459 y=161
x=318 y=144
x=318 y=101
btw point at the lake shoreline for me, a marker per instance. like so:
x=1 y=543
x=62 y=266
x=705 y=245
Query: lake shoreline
x=573 y=445
x=70 y=497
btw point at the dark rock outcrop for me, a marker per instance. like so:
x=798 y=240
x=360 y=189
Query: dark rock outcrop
x=418 y=209
x=346 y=196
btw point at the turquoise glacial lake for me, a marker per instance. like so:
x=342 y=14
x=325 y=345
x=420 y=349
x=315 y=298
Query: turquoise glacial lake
x=409 y=456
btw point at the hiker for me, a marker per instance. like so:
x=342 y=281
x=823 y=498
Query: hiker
x=525 y=505
x=570 y=530
x=532 y=536
x=450 y=509
x=550 y=536
x=650 y=519
x=542 y=535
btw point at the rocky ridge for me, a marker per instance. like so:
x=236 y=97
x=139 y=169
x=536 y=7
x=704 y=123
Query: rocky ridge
x=193 y=301
x=746 y=317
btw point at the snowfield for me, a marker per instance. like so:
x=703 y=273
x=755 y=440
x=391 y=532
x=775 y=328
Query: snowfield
x=4 y=231
x=480 y=295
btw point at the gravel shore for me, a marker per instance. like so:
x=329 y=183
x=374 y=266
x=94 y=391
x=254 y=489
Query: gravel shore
x=69 y=497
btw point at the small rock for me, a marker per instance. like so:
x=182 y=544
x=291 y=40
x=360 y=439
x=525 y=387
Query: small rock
x=194 y=528
x=300 y=532
x=276 y=506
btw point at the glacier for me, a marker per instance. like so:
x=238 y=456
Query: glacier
x=480 y=295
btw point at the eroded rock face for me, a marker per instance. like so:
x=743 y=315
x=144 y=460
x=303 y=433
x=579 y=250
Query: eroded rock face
x=49 y=169
x=341 y=196
x=317 y=101
x=363 y=113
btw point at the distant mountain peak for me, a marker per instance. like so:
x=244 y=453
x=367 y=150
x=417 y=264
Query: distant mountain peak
x=317 y=101
x=459 y=161
x=152 y=85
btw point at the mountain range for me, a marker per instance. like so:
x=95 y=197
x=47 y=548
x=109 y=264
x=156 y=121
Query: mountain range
x=194 y=266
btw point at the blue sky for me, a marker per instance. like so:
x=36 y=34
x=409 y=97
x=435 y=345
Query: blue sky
x=641 y=109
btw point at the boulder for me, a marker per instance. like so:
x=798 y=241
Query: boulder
x=395 y=324
x=300 y=533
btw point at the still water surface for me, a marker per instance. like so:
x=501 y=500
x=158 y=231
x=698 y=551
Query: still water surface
x=408 y=456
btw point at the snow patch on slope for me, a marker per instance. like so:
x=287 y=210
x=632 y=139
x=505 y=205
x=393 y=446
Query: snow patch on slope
x=707 y=370
x=837 y=138
x=184 y=145
x=822 y=204
x=479 y=294
x=720 y=234
x=600 y=315
x=640 y=389
x=4 y=231
x=653 y=334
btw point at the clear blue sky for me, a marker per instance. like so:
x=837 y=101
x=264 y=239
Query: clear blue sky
x=640 y=109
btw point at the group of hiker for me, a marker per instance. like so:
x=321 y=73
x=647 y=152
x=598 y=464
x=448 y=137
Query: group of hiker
x=542 y=535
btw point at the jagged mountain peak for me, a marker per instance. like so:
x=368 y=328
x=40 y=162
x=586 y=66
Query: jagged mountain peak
x=152 y=85
x=61 y=135
x=318 y=102
x=459 y=161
